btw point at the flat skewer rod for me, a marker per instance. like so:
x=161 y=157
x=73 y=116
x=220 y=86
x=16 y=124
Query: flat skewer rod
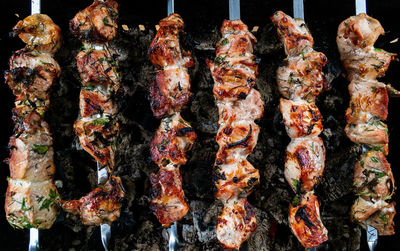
x=173 y=229
x=105 y=229
x=361 y=6
x=372 y=233
x=34 y=232
x=234 y=9
x=170 y=7
x=298 y=9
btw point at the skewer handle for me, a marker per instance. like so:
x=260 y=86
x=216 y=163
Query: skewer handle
x=35 y=7
x=234 y=9
x=34 y=239
x=298 y=9
x=372 y=237
x=361 y=6
x=173 y=237
x=170 y=7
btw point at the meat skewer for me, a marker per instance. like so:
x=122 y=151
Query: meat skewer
x=31 y=194
x=97 y=127
x=234 y=71
x=300 y=81
x=169 y=94
x=373 y=178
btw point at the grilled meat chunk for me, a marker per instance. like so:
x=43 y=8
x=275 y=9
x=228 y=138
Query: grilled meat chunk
x=234 y=71
x=96 y=101
x=301 y=118
x=300 y=80
x=98 y=137
x=304 y=163
x=305 y=221
x=168 y=199
x=40 y=33
x=165 y=50
x=97 y=23
x=294 y=33
x=97 y=66
x=31 y=204
x=301 y=76
x=170 y=92
x=236 y=223
x=100 y=206
x=373 y=178
x=173 y=138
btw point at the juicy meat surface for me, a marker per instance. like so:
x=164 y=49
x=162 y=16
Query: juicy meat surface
x=294 y=33
x=234 y=72
x=304 y=163
x=100 y=206
x=301 y=118
x=31 y=204
x=40 y=33
x=168 y=199
x=97 y=23
x=305 y=221
x=236 y=223
x=98 y=137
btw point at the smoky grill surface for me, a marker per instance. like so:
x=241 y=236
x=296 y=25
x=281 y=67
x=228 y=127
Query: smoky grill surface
x=138 y=228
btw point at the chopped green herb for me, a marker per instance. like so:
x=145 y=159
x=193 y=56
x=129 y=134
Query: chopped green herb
x=45 y=63
x=23 y=206
x=41 y=149
x=296 y=200
x=219 y=60
x=99 y=122
x=374 y=159
x=295 y=183
x=377 y=148
x=377 y=174
x=383 y=218
x=48 y=202
x=377 y=49
x=105 y=20
x=88 y=88
x=224 y=41
x=302 y=54
x=362 y=162
x=373 y=88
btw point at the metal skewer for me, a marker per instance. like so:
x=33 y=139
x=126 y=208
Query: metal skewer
x=34 y=232
x=372 y=233
x=173 y=241
x=105 y=229
x=234 y=9
x=298 y=12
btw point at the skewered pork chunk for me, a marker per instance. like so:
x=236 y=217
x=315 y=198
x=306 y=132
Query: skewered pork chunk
x=31 y=198
x=300 y=80
x=169 y=94
x=368 y=109
x=234 y=71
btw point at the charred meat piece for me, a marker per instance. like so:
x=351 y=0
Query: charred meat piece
x=31 y=198
x=236 y=223
x=97 y=66
x=301 y=118
x=301 y=76
x=294 y=33
x=100 y=206
x=304 y=163
x=165 y=50
x=300 y=80
x=40 y=33
x=368 y=109
x=305 y=220
x=170 y=92
x=98 y=137
x=234 y=72
x=168 y=199
x=173 y=138
x=95 y=101
x=97 y=23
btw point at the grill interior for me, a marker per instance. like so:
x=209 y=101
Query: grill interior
x=138 y=228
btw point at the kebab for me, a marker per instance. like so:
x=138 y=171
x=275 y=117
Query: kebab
x=31 y=198
x=97 y=127
x=234 y=71
x=373 y=178
x=300 y=80
x=169 y=94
